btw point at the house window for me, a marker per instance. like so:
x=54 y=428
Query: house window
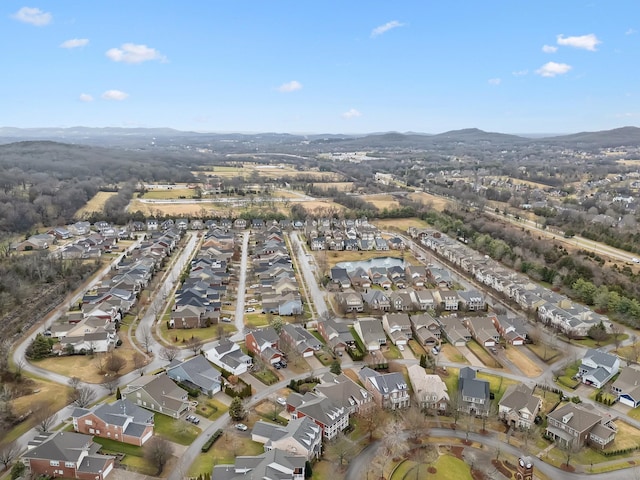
x=69 y=464
x=88 y=422
x=54 y=463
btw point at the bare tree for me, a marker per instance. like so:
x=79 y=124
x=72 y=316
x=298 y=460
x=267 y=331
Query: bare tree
x=158 y=451
x=371 y=420
x=101 y=363
x=8 y=452
x=195 y=345
x=139 y=361
x=145 y=338
x=616 y=332
x=82 y=396
x=341 y=449
x=44 y=415
x=115 y=363
x=169 y=353
x=110 y=384
x=415 y=422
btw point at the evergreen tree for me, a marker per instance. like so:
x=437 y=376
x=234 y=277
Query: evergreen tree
x=335 y=368
x=236 y=409
x=423 y=361
x=118 y=394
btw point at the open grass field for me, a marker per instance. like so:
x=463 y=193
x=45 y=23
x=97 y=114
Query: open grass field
x=267 y=171
x=180 y=336
x=438 y=203
x=50 y=393
x=210 y=408
x=175 y=430
x=96 y=204
x=340 y=186
x=180 y=191
x=524 y=363
x=452 y=354
x=382 y=201
x=545 y=353
x=400 y=224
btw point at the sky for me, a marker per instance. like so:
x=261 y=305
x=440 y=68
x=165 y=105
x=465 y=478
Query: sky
x=330 y=66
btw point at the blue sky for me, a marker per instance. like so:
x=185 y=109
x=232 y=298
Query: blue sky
x=357 y=66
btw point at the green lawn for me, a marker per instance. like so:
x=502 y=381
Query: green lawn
x=180 y=336
x=210 y=408
x=416 y=348
x=566 y=378
x=175 y=430
x=325 y=357
x=266 y=376
x=591 y=343
x=112 y=446
x=255 y=320
x=447 y=467
x=392 y=353
x=544 y=352
x=497 y=384
x=224 y=452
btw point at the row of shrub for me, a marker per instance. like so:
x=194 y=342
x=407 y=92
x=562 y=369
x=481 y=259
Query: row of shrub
x=244 y=392
x=207 y=445
x=624 y=451
x=295 y=384
x=192 y=392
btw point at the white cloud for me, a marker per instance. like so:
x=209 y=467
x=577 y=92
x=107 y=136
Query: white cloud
x=520 y=73
x=495 y=81
x=75 y=43
x=132 y=53
x=586 y=42
x=114 y=95
x=85 y=97
x=386 y=27
x=34 y=16
x=291 y=86
x=631 y=31
x=549 y=49
x=551 y=69
x=352 y=113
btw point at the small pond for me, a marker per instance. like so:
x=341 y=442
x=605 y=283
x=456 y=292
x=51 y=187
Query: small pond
x=373 y=262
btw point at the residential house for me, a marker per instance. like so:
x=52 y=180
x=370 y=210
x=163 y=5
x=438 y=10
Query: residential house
x=429 y=390
x=157 y=393
x=376 y=300
x=378 y=276
x=440 y=277
x=350 y=301
x=371 y=333
x=398 y=276
x=228 y=356
x=68 y=455
x=389 y=390
x=340 y=277
x=512 y=329
x=380 y=244
x=454 y=331
x=396 y=243
x=574 y=426
x=627 y=386
x=188 y=316
x=196 y=373
x=446 y=299
x=519 y=407
x=263 y=343
x=337 y=335
x=286 y=305
x=346 y=393
x=300 y=339
x=401 y=301
x=398 y=327
x=122 y=421
x=331 y=418
x=301 y=436
x=482 y=330
x=416 y=275
x=422 y=300
x=598 y=367
x=274 y=465
x=474 y=395
x=472 y=301
x=359 y=278
x=426 y=329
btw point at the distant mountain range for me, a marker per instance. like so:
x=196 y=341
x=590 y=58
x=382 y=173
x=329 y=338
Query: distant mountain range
x=137 y=137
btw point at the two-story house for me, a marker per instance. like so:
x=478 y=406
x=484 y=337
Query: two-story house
x=429 y=391
x=519 y=406
x=122 y=421
x=157 y=393
x=426 y=329
x=337 y=335
x=371 y=333
x=483 y=330
x=301 y=436
x=68 y=455
x=196 y=373
x=598 y=367
x=575 y=426
x=331 y=418
x=346 y=393
x=263 y=343
x=389 y=390
x=627 y=386
x=274 y=464
x=300 y=339
x=398 y=327
x=474 y=395
x=228 y=356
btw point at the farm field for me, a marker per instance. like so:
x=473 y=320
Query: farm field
x=266 y=171
x=175 y=193
x=438 y=203
x=382 y=201
x=95 y=205
x=400 y=224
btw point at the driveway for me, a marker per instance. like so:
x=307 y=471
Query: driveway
x=471 y=357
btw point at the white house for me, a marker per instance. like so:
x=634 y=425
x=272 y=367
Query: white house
x=228 y=356
x=597 y=367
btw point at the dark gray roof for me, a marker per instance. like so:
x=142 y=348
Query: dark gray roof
x=272 y=465
x=62 y=446
x=601 y=358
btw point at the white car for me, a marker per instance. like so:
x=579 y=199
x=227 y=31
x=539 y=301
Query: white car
x=635 y=260
x=226 y=319
x=401 y=348
x=241 y=426
x=250 y=310
x=281 y=401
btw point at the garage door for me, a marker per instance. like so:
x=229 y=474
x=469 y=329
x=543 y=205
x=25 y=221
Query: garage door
x=107 y=470
x=627 y=401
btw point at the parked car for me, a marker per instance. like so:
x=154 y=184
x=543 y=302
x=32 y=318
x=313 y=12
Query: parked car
x=250 y=310
x=226 y=319
x=241 y=427
x=435 y=350
x=281 y=401
x=401 y=348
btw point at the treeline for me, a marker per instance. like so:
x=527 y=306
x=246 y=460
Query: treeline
x=45 y=183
